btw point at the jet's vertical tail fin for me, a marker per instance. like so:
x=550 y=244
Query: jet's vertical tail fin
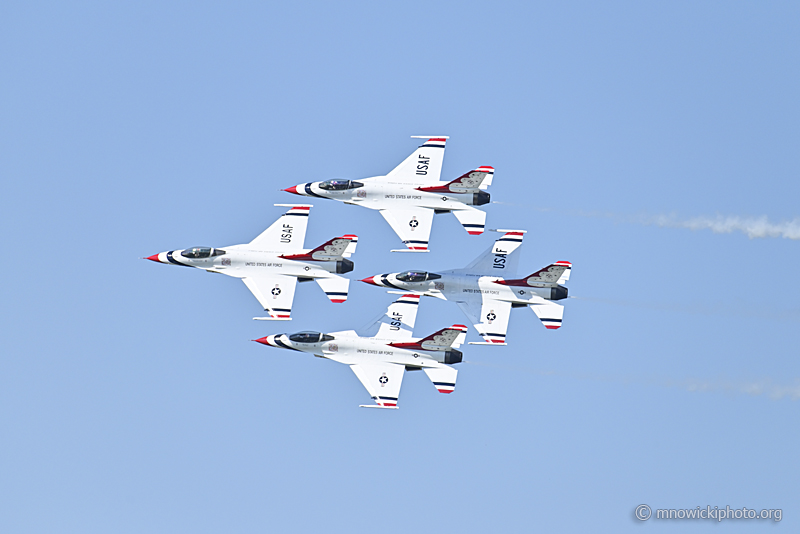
x=424 y=165
x=288 y=232
x=398 y=321
x=501 y=258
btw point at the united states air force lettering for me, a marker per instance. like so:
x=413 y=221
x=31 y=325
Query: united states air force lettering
x=262 y=264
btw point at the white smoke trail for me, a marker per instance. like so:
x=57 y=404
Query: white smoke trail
x=752 y=227
x=755 y=388
x=737 y=309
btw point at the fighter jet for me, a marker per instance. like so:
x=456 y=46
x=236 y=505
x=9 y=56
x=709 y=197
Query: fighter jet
x=272 y=263
x=380 y=361
x=411 y=194
x=485 y=291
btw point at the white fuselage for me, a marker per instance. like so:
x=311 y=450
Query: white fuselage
x=459 y=286
x=349 y=348
x=241 y=261
x=378 y=194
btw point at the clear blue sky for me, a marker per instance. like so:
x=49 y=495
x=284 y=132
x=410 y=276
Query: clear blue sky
x=131 y=397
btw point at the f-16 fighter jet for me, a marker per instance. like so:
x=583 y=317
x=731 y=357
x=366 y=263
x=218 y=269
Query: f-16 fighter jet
x=272 y=263
x=485 y=291
x=411 y=194
x=380 y=361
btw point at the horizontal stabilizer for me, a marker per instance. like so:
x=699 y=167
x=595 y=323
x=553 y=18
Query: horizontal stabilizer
x=331 y=250
x=473 y=220
x=445 y=338
x=550 y=314
x=550 y=276
x=335 y=287
x=565 y=275
x=351 y=247
x=471 y=182
x=443 y=378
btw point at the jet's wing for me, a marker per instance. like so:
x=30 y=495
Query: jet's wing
x=500 y=259
x=490 y=318
x=382 y=381
x=412 y=225
x=335 y=287
x=275 y=293
x=424 y=165
x=287 y=233
x=549 y=313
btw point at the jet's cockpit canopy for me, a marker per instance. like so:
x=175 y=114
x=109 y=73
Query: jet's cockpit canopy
x=417 y=276
x=202 y=252
x=339 y=185
x=310 y=337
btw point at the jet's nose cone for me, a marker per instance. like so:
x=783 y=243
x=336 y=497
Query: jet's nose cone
x=370 y=280
x=154 y=257
x=263 y=340
x=292 y=189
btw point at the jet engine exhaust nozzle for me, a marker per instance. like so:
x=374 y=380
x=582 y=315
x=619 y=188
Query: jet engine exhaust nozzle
x=558 y=293
x=344 y=266
x=480 y=198
x=453 y=356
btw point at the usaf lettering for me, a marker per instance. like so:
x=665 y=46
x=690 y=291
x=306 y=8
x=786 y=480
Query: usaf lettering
x=422 y=166
x=396 y=322
x=286 y=236
x=499 y=258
